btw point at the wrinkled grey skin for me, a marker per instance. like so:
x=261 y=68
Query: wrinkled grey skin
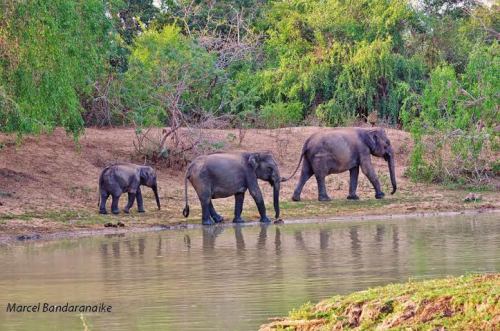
x=222 y=175
x=126 y=177
x=341 y=149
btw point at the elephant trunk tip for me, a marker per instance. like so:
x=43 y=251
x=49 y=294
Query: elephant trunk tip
x=394 y=190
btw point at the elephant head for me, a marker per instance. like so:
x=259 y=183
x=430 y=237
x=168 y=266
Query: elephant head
x=380 y=146
x=266 y=168
x=148 y=178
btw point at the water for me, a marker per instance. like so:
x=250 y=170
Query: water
x=232 y=278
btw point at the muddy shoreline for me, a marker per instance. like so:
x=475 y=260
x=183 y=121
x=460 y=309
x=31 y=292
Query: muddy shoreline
x=34 y=236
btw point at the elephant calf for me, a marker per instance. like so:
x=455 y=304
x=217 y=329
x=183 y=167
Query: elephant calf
x=341 y=149
x=222 y=175
x=126 y=177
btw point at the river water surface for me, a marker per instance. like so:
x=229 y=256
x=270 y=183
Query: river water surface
x=232 y=278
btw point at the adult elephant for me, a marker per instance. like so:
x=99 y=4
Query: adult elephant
x=341 y=149
x=221 y=175
x=126 y=177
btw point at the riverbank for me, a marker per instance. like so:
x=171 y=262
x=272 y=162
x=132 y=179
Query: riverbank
x=460 y=303
x=48 y=184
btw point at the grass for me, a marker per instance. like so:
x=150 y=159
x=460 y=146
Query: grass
x=458 y=303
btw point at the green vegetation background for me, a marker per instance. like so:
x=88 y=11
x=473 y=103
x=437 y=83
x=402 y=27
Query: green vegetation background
x=428 y=66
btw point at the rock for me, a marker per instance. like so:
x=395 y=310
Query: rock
x=28 y=237
x=279 y=221
x=110 y=225
x=120 y=224
x=472 y=197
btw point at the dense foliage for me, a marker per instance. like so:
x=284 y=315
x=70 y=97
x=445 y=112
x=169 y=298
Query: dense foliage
x=430 y=66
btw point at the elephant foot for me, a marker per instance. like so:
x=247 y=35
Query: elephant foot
x=265 y=219
x=219 y=219
x=141 y=210
x=103 y=212
x=352 y=197
x=295 y=197
x=207 y=222
x=324 y=198
x=116 y=211
x=379 y=195
x=126 y=211
x=238 y=220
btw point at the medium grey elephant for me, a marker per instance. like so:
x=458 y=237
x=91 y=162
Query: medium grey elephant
x=341 y=149
x=221 y=175
x=126 y=177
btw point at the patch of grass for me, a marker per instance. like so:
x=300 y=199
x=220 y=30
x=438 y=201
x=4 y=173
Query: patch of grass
x=63 y=216
x=459 y=303
x=336 y=206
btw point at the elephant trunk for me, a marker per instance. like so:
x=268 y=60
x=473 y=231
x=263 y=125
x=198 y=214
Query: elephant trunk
x=155 y=191
x=276 y=198
x=390 y=161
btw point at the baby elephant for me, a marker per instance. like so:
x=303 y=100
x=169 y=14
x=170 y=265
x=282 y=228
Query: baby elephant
x=222 y=175
x=125 y=177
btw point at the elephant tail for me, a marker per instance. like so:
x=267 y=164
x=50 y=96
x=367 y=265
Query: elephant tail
x=283 y=179
x=185 y=211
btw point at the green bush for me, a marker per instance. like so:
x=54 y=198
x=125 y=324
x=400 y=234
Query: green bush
x=281 y=114
x=453 y=127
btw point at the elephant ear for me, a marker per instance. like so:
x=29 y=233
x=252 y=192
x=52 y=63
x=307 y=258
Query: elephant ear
x=373 y=139
x=144 y=173
x=254 y=160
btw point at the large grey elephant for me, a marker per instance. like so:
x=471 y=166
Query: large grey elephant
x=337 y=150
x=126 y=177
x=221 y=175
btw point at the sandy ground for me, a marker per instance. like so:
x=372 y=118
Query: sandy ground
x=48 y=183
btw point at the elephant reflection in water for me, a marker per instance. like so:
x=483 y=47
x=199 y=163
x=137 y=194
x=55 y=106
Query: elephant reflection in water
x=277 y=241
x=209 y=234
x=240 y=241
x=261 y=242
x=187 y=241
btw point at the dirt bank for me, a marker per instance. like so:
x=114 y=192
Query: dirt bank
x=462 y=303
x=48 y=184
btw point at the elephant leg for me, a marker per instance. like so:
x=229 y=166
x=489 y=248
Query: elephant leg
x=102 y=205
x=205 y=201
x=322 y=195
x=114 y=204
x=213 y=214
x=353 y=183
x=367 y=169
x=238 y=207
x=305 y=174
x=140 y=201
x=259 y=201
x=130 y=203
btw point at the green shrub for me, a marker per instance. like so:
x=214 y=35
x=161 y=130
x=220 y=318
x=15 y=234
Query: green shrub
x=282 y=114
